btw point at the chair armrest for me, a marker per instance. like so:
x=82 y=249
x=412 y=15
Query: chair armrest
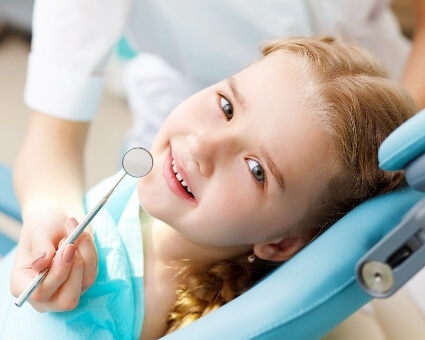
x=8 y=202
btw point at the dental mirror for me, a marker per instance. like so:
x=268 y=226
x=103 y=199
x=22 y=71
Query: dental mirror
x=137 y=162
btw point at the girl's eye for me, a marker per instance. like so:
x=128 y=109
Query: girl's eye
x=257 y=170
x=227 y=108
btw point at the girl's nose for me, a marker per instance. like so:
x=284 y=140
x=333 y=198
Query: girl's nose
x=210 y=148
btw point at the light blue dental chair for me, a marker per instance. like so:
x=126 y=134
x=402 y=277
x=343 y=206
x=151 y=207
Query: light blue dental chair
x=9 y=206
x=319 y=287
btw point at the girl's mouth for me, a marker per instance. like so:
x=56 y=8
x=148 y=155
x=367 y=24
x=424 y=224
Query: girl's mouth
x=175 y=180
x=180 y=178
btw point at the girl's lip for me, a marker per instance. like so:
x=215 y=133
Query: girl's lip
x=172 y=182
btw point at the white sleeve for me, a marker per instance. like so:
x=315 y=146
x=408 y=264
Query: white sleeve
x=70 y=44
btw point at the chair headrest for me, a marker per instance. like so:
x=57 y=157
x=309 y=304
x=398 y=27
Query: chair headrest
x=404 y=145
x=316 y=289
x=405 y=149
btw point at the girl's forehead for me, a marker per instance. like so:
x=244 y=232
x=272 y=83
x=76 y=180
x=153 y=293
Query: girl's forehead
x=279 y=62
x=284 y=121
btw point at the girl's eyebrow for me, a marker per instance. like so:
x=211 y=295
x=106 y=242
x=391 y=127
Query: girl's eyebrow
x=231 y=81
x=273 y=168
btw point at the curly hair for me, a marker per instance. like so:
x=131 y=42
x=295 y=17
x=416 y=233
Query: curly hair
x=359 y=106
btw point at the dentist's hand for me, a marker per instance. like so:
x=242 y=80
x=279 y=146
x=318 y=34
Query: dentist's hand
x=48 y=176
x=72 y=272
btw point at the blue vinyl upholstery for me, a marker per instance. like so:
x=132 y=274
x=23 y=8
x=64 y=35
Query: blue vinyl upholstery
x=8 y=206
x=314 y=291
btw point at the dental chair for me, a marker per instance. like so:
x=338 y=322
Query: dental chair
x=370 y=252
x=9 y=207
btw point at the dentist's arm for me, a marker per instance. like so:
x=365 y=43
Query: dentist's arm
x=48 y=178
x=70 y=44
x=414 y=74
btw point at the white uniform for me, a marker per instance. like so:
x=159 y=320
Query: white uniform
x=200 y=43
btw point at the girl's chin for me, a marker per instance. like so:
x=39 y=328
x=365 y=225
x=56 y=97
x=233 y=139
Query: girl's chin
x=146 y=198
x=153 y=209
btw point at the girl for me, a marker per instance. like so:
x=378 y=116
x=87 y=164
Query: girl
x=246 y=173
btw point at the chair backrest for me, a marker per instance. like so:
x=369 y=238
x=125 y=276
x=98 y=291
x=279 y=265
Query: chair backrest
x=314 y=291
x=8 y=202
x=9 y=229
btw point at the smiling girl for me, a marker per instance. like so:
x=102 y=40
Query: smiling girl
x=246 y=173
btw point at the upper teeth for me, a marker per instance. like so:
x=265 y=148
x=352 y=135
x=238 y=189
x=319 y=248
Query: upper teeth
x=178 y=176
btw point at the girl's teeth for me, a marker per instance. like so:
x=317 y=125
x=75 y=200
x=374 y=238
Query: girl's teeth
x=178 y=176
x=185 y=185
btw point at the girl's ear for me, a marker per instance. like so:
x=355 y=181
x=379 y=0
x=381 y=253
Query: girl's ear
x=280 y=250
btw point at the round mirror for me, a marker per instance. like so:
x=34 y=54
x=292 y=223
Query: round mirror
x=137 y=162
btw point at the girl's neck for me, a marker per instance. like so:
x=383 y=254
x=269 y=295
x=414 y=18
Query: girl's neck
x=166 y=254
x=170 y=246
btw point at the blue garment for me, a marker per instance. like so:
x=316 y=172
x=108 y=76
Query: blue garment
x=113 y=307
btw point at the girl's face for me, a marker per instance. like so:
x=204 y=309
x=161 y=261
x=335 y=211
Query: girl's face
x=239 y=162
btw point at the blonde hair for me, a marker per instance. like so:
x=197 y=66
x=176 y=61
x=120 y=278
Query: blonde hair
x=358 y=106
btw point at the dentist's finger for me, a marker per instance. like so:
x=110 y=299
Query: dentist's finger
x=67 y=296
x=87 y=250
x=58 y=273
x=43 y=251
